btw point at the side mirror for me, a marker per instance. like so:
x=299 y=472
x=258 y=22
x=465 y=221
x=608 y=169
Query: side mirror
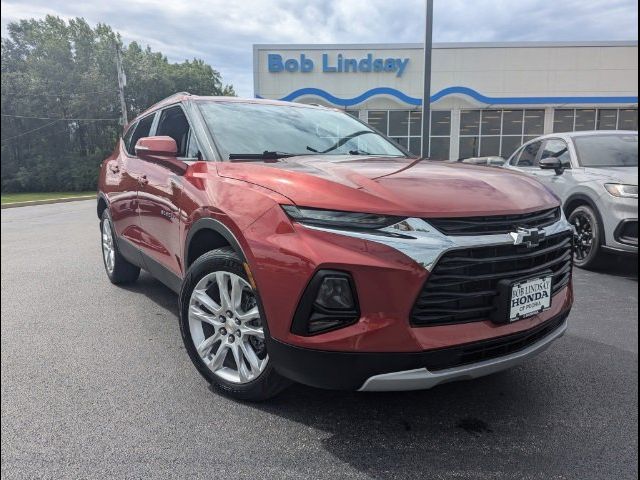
x=552 y=163
x=162 y=150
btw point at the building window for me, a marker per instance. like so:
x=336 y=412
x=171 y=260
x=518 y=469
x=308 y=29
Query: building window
x=563 y=120
x=415 y=132
x=399 y=127
x=628 y=119
x=585 y=120
x=405 y=128
x=607 y=119
x=582 y=119
x=379 y=120
x=497 y=132
x=469 y=133
x=353 y=113
x=533 y=124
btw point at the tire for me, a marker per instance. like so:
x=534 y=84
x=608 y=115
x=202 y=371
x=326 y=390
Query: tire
x=589 y=231
x=118 y=269
x=229 y=330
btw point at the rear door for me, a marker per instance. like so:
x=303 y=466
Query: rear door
x=159 y=198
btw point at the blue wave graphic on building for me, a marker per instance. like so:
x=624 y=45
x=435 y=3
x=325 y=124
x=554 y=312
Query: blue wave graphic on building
x=457 y=90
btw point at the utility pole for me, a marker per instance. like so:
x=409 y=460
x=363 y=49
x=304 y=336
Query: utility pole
x=122 y=82
x=426 y=88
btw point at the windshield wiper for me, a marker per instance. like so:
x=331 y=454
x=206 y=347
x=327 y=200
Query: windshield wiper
x=343 y=140
x=266 y=155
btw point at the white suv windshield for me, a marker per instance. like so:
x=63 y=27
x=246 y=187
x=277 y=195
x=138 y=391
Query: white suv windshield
x=607 y=150
x=253 y=129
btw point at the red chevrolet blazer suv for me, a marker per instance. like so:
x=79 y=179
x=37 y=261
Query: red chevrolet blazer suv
x=306 y=246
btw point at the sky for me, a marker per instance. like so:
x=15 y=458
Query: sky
x=222 y=32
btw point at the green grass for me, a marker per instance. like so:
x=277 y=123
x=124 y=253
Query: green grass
x=26 y=197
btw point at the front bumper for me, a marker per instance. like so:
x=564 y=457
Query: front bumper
x=388 y=272
x=388 y=371
x=616 y=213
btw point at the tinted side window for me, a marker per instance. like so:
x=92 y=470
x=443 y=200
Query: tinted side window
x=528 y=157
x=174 y=124
x=559 y=149
x=142 y=130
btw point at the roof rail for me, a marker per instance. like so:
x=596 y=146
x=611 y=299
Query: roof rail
x=174 y=95
x=151 y=107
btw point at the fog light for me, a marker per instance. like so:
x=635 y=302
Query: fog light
x=335 y=294
x=329 y=302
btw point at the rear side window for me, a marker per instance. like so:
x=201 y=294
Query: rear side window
x=126 y=139
x=141 y=130
x=556 y=148
x=529 y=155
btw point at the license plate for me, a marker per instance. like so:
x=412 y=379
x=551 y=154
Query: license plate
x=530 y=297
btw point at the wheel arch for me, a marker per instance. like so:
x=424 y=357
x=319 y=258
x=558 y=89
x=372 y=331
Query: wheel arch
x=576 y=200
x=103 y=204
x=208 y=234
x=579 y=199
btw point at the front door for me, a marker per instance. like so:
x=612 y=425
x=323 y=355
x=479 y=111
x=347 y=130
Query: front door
x=159 y=197
x=560 y=184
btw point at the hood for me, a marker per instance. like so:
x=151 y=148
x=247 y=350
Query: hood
x=395 y=186
x=626 y=175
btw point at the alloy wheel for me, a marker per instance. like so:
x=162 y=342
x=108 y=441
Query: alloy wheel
x=583 y=240
x=108 y=250
x=226 y=328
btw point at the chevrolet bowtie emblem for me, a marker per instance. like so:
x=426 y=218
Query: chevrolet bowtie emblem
x=531 y=237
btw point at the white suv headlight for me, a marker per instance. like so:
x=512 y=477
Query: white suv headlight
x=621 y=190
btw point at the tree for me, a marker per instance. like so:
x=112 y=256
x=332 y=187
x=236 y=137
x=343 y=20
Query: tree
x=59 y=102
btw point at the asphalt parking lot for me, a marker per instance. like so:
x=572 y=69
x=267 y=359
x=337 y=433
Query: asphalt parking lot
x=96 y=383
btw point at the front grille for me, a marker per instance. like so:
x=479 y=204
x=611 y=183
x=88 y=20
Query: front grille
x=493 y=348
x=495 y=224
x=462 y=285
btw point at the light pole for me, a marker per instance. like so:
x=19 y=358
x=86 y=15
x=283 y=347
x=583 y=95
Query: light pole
x=426 y=89
x=122 y=82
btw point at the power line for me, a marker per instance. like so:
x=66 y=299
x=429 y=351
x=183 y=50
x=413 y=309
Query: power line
x=57 y=118
x=31 y=94
x=57 y=132
x=29 y=131
x=51 y=123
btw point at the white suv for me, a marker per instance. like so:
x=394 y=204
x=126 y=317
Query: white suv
x=595 y=174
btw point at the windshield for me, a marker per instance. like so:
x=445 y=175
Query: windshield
x=254 y=129
x=607 y=150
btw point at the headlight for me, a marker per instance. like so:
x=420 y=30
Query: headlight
x=621 y=190
x=338 y=219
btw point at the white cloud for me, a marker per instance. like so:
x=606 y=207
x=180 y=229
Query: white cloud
x=222 y=32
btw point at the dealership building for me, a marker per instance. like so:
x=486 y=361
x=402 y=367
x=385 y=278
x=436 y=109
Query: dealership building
x=487 y=98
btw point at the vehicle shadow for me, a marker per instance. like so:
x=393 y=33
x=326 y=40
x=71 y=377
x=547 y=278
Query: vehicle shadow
x=156 y=291
x=625 y=266
x=448 y=431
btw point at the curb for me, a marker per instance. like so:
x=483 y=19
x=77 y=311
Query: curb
x=46 y=201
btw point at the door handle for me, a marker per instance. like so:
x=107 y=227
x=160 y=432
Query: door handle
x=143 y=180
x=114 y=168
